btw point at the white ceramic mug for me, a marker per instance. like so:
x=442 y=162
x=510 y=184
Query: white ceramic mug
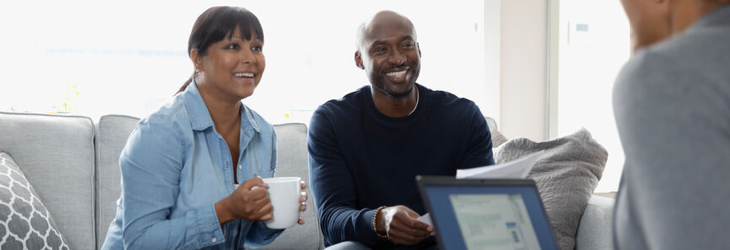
x=284 y=193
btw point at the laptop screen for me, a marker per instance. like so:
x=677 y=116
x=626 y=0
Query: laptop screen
x=486 y=214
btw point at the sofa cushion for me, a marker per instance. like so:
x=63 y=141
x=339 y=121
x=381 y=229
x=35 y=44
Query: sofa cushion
x=491 y=123
x=566 y=176
x=292 y=160
x=56 y=154
x=595 y=230
x=113 y=131
x=498 y=138
x=24 y=221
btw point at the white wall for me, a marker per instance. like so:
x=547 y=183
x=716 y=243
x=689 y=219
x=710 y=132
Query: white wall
x=523 y=69
x=492 y=59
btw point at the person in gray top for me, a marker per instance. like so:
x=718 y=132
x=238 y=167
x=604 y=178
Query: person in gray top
x=672 y=108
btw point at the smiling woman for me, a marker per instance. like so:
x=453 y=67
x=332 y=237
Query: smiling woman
x=189 y=169
x=240 y=56
x=235 y=66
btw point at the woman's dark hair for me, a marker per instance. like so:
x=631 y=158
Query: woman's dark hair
x=218 y=23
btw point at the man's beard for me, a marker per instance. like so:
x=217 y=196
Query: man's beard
x=403 y=95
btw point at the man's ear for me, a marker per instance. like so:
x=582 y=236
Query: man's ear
x=358 y=60
x=197 y=60
x=418 y=47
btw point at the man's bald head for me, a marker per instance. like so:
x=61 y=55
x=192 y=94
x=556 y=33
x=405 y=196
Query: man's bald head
x=381 y=22
x=388 y=52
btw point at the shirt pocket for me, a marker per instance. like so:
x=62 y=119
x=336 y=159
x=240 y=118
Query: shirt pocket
x=268 y=173
x=258 y=163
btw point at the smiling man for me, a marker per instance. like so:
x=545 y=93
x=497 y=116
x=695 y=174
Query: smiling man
x=367 y=147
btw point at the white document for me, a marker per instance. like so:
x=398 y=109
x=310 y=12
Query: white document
x=426 y=219
x=517 y=169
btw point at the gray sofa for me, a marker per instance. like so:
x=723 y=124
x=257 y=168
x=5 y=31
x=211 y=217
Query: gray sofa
x=72 y=163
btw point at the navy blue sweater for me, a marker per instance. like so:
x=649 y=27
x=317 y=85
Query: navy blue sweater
x=360 y=159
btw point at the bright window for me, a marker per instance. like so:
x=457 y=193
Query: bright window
x=100 y=57
x=594 y=46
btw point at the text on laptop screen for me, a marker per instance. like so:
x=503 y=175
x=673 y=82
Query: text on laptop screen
x=496 y=217
x=494 y=221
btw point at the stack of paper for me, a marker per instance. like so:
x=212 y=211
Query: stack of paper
x=517 y=169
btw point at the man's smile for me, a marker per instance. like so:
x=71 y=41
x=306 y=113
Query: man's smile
x=397 y=76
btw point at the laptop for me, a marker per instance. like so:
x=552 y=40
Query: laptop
x=486 y=213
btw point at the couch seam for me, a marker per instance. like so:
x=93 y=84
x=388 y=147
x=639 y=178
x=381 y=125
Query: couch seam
x=94 y=195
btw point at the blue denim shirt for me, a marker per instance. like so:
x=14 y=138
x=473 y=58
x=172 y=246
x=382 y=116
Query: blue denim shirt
x=175 y=167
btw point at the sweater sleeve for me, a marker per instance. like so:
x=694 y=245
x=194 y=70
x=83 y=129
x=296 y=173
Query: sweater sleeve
x=673 y=125
x=333 y=188
x=479 y=151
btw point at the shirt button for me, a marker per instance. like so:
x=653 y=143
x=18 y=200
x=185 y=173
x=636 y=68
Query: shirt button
x=214 y=239
x=239 y=166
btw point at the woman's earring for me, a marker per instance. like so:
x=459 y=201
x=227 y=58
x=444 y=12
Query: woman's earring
x=195 y=75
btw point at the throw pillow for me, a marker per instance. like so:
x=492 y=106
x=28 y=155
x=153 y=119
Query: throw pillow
x=24 y=221
x=497 y=138
x=566 y=176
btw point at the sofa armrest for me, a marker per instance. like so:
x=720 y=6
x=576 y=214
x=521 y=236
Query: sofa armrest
x=596 y=225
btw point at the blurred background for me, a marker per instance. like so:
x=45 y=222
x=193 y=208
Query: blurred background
x=541 y=68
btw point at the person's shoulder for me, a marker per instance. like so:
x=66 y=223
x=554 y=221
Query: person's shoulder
x=346 y=105
x=260 y=121
x=168 y=114
x=647 y=68
x=695 y=47
x=180 y=116
x=255 y=115
x=678 y=61
x=701 y=38
x=447 y=99
x=683 y=72
x=161 y=128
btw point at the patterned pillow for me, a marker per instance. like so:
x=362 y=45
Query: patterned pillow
x=24 y=221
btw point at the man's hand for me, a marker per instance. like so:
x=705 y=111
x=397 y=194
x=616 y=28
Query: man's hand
x=302 y=201
x=401 y=225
